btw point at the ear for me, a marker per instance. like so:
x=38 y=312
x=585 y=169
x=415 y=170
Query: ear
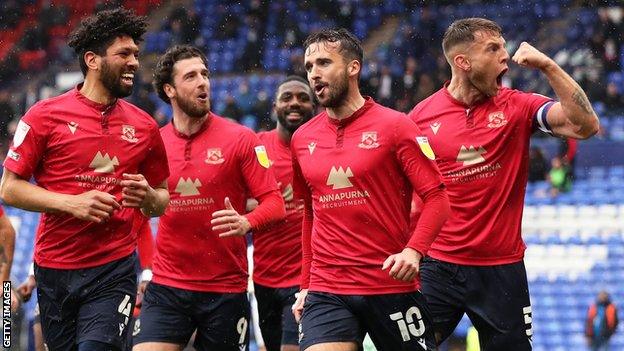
x=169 y=90
x=462 y=62
x=92 y=60
x=354 y=68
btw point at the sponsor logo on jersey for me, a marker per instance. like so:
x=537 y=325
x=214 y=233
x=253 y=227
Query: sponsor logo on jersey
x=262 y=156
x=188 y=187
x=435 y=127
x=339 y=178
x=471 y=155
x=425 y=147
x=103 y=163
x=72 y=127
x=20 y=133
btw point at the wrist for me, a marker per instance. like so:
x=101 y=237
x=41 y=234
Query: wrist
x=549 y=65
x=245 y=224
x=413 y=251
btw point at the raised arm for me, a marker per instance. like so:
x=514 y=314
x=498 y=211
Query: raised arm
x=573 y=116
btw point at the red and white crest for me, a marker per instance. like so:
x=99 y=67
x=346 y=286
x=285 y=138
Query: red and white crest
x=128 y=133
x=497 y=119
x=214 y=156
x=369 y=140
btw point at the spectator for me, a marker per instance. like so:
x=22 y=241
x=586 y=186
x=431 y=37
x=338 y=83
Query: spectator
x=245 y=98
x=538 y=166
x=601 y=323
x=559 y=176
x=386 y=90
x=613 y=100
x=262 y=107
x=231 y=109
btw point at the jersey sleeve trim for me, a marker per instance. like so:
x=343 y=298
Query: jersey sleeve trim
x=540 y=117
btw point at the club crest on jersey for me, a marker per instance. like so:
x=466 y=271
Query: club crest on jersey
x=497 y=119
x=214 y=156
x=426 y=149
x=262 y=156
x=369 y=140
x=128 y=133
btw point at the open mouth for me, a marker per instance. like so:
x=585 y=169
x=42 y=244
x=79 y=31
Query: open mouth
x=499 y=78
x=202 y=97
x=127 y=78
x=319 y=88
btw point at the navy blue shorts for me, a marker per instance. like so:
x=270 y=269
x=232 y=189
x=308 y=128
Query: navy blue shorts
x=277 y=322
x=394 y=321
x=496 y=298
x=91 y=304
x=171 y=315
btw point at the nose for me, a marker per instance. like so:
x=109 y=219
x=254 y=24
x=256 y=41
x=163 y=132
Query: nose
x=134 y=61
x=314 y=74
x=505 y=57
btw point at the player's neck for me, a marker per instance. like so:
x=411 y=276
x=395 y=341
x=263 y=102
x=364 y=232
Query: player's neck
x=462 y=90
x=352 y=103
x=283 y=134
x=185 y=124
x=94 y=90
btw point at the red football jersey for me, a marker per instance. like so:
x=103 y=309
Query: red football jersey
x=483 y=155
x=360 y=173
x=221 y=160
x=277 y=248
x=71 y=145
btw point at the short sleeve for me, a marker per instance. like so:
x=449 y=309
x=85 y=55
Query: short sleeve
x=535 y=107
x=155 y=167
x=29 y=142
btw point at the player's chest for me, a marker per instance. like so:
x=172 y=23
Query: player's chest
x=466 y=138
x=201 y=164
x=345 y=154
x=99 y=144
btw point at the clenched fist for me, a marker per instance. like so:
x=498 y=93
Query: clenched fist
x=528 y=56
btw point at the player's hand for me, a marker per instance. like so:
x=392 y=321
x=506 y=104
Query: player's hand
x=135 y=191
x=93 y=206
x=528 y=56
x=405 y=265
x=297 y=307
x=25 y=289
x=229 y=222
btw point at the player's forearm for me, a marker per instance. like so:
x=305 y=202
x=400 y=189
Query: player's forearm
x=156 y=202
x=436 y=210
x=19 y=193
x=269 y=210
x=574 y=102
x=6 y=254
x=306 y=246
